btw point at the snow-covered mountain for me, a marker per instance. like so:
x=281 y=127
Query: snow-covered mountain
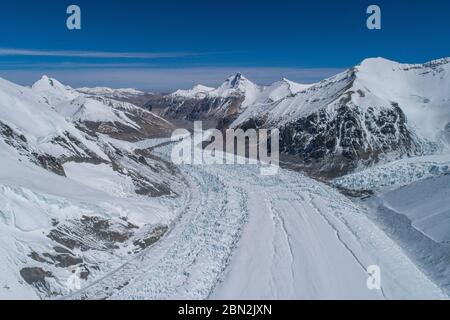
x=224 y=103
x=105 y=91
x=377 y=110
x=133 y=96
x=74 y=203
x=101 y=114
x=85 y=209
x=197 y=92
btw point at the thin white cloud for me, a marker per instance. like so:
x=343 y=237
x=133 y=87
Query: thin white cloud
x=94 y=54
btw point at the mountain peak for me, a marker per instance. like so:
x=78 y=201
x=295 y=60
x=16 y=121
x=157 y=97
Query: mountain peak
x=47 y=82
x=53 y=90
x=235 y=81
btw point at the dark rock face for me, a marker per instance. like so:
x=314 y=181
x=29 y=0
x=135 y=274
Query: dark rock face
x=20 y=143
x=140 y=166
x=196 y=109
x=138 y=100
x=78 y=151
x=36 y=277
x=132 y=164
x=153 y=237
x=332 y=145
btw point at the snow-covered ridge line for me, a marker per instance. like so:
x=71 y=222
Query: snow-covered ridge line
x=238 y=84
x=109 y=91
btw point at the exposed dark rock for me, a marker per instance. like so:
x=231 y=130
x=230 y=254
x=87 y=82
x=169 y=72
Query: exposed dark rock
x=130 y=164
x=36 y=257
x=49 y=163
x=333 y=145
x=156 y=234
x=197 y=109
x=62 y=250
x=35 y=276
x=361 y=194
x=84 y=272
x=90 y=233
x=66 y=260
x=148 y=124
x=73 y=145
x=20 y=143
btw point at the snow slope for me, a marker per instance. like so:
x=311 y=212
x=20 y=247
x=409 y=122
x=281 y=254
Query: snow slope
x=104 y=91
x=410 y=203
x=27 y=113
x=426 y=204
x=86 y=109
x=75 y=106
x=72 y=205
x=197 y=92
x=102 y=110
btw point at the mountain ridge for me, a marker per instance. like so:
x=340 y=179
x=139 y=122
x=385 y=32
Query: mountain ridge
x=376 y=111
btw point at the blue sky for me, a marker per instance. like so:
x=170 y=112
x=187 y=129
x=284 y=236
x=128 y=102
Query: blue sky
x=163 y=45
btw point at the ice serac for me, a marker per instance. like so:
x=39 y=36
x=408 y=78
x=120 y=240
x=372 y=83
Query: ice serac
x=378 y=110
